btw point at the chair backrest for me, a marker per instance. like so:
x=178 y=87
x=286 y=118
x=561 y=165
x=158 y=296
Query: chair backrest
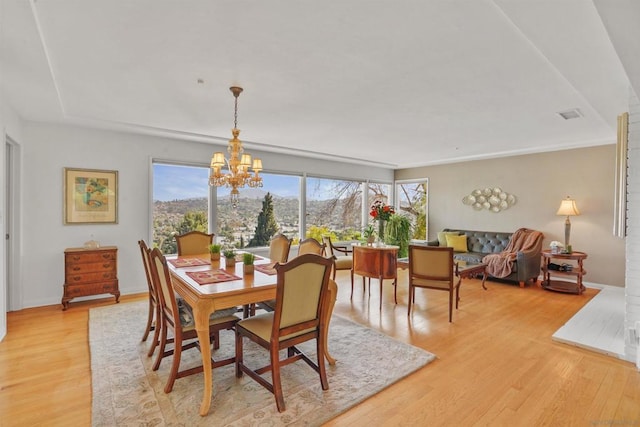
x=328 y=247
x=431 y=263
x=144 y=250
x=162 y=279
x=310 y=246
x=279 y=248
x=194 y=243
x=300 y=295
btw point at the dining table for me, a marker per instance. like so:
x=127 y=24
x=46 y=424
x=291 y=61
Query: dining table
x=232 y=288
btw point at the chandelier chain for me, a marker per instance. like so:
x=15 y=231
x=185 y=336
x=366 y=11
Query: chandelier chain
x=235 y=114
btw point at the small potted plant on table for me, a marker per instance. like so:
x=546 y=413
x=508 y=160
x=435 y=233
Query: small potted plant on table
x=248 y=258
x=229 y=258
x=369 y=233
x=214 y=250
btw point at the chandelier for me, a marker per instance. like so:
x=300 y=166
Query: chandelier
x=237 y=175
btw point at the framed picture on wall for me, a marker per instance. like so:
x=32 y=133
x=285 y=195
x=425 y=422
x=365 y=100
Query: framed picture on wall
x=90 y=196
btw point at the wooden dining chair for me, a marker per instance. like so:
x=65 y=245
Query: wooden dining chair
x=431 y=267
x=310 y=246
x=194 y=243
x=179 y=319
x=343 y=256
x=301 y=296
x=153 y=319
x=279 y=247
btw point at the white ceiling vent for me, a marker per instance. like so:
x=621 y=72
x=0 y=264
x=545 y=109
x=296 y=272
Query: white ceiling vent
x=570 y=114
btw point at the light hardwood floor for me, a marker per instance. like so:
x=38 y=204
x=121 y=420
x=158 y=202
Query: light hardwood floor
x=497 y=364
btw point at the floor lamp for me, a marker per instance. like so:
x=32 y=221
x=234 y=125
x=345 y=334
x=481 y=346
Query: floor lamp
x=567 y=208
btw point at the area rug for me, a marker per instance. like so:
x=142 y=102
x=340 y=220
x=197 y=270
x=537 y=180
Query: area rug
x=126 y=392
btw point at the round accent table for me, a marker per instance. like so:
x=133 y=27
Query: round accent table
x=572 y=275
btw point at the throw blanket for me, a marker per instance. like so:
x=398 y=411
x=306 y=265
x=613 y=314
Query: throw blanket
x=523 y=240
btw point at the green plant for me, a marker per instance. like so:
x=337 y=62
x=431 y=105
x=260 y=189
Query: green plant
x=248 y=258
x=215 y=248
x=229 y=253
x=368 y=231
x=398 y=233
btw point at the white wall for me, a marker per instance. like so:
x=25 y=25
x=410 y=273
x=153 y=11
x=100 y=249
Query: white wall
x=47 y=149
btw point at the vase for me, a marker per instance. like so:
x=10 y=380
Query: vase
x=247 y=269
x=381 y=224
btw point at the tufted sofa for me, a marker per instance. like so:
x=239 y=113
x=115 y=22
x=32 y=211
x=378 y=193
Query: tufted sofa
x=480 y=243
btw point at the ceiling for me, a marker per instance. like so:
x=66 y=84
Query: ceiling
x=391 y=83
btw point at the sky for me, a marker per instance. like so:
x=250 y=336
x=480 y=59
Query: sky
x=174 y=182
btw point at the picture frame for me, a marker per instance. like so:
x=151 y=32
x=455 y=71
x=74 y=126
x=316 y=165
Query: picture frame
x=90 y=196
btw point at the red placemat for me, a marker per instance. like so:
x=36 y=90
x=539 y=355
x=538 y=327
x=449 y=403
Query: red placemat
x=211 y=276
x=187 y=262
x=265 y=268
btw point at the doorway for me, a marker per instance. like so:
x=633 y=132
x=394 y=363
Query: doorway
x=11 y=240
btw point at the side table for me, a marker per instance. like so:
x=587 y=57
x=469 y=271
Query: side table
x=572 y=282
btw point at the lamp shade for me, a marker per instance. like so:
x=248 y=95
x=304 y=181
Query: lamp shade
x=568 y=207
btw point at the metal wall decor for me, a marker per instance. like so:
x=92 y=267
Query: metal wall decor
x=491 y=199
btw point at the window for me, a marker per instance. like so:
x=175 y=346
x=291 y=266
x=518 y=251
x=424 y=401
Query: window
x=412 y=201
x=183 y=201
x=377 y=192
x=261 y=212
x=180 y=203
x=333 y=207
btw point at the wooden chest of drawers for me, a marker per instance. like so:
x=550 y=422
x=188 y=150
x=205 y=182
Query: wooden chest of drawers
x=90 y=272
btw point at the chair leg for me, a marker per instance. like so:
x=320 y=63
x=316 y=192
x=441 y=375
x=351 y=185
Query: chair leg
x=156 y=333
x=163 y=343
x=238 y=354
x=395 y=290
x=351 y=283
x=450 y=306
x=177 y=353
x=380 y=280
x=321 y=345
x=275 y=374
x=411 y=292
x=216 y=340
x=149 y=327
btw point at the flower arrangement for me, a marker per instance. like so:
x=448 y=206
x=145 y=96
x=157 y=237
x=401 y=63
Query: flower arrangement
x=380 y=211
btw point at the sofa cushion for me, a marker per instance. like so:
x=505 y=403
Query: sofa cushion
x=487 y=242
x=442 y=236
x=458 y=243
x=470 y=257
